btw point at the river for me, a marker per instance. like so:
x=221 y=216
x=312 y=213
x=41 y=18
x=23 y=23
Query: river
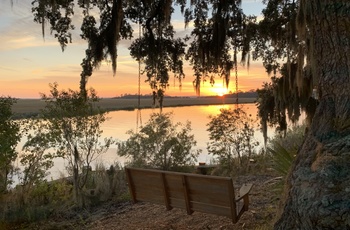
x=120 y=122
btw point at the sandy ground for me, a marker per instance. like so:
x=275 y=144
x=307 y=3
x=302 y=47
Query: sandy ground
x=264 y=202
x=261 y=213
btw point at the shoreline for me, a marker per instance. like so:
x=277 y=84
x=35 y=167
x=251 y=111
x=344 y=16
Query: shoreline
x=31 y=107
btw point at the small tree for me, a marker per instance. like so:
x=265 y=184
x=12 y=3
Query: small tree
x=36 y=158
x=71 y=126
x=161 y=144
x=9 y=137
x=231 y=135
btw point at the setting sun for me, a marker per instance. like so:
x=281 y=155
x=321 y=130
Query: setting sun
x=220 y=90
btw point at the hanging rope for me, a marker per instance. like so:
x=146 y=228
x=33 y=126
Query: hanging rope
x=138 y=113
x=236 y=74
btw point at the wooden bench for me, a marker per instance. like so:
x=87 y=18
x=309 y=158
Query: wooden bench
x=192 y=192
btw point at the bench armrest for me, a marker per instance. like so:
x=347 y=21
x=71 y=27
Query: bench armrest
x=243 y=191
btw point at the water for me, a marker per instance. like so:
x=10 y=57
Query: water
x=120 y=122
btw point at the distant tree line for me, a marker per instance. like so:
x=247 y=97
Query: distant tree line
x=248 y=94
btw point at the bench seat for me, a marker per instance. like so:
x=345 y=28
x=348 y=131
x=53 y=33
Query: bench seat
x=192 y=192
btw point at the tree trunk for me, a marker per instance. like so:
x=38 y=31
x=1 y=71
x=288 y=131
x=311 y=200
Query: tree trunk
x=319 y=185
x=77 y=191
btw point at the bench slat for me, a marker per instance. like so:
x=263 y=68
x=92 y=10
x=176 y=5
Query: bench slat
x=212 y=209
x=177 y=203
x=149 y=198
x=186 y=195
x=211 y=199
x=165 y=192
x=191 y=192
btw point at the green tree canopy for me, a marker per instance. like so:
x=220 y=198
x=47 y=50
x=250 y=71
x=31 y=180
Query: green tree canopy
x=9 y=137
x=231 y=135
x=69 y=127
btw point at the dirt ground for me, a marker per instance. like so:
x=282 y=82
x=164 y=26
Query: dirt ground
x=264 y=201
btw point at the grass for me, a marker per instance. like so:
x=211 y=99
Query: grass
x=30 y=107
x=54 y=199
x=110 y=189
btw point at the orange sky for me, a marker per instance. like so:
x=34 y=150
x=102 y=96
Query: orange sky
x=29 y=63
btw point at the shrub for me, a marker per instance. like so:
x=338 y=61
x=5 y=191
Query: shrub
x=160 y=144
x=231 y=135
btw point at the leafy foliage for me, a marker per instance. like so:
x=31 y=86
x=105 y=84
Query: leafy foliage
x=53 y=199
x=285 y=149
x=105 y=23
x=70 y=127
x=35 y=157
x=9 y=137
x=279 y=101
x=157 y=48
x=231 y=135
x=283 y=159
x=277 y=35
x=215 y=36
x=266 y=108
x=285 y=47
x=160 y=144
x=102 y=37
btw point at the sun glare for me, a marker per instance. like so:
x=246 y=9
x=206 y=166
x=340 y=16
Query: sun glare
x=220 y=91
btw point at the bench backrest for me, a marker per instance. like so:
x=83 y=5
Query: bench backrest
x=192 y=192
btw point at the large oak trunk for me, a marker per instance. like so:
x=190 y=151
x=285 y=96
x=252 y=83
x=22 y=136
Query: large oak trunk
x=319 y=185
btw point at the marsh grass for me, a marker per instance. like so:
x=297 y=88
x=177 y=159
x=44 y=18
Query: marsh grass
x=256 y=164
x=54 y=199
x=104 y=184
x=25 y=108
x=39 y=202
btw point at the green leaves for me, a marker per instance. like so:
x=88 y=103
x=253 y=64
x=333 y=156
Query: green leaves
x=220 y=27
x=160 y=144
x=58 y=14
x=284 y=149
x=231 y=135
x=215 y=37
x=69 y=127
x=282 y=158
x=9 y=137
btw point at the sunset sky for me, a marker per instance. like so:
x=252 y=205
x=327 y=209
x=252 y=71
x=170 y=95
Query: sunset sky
x=29 y=62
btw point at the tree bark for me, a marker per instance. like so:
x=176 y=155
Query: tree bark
x=319 y=185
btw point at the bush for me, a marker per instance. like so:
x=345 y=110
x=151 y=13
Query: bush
x=160 y=144
x=104 y=185
x=55 y=198
x=231 y=135
x=37 y=203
